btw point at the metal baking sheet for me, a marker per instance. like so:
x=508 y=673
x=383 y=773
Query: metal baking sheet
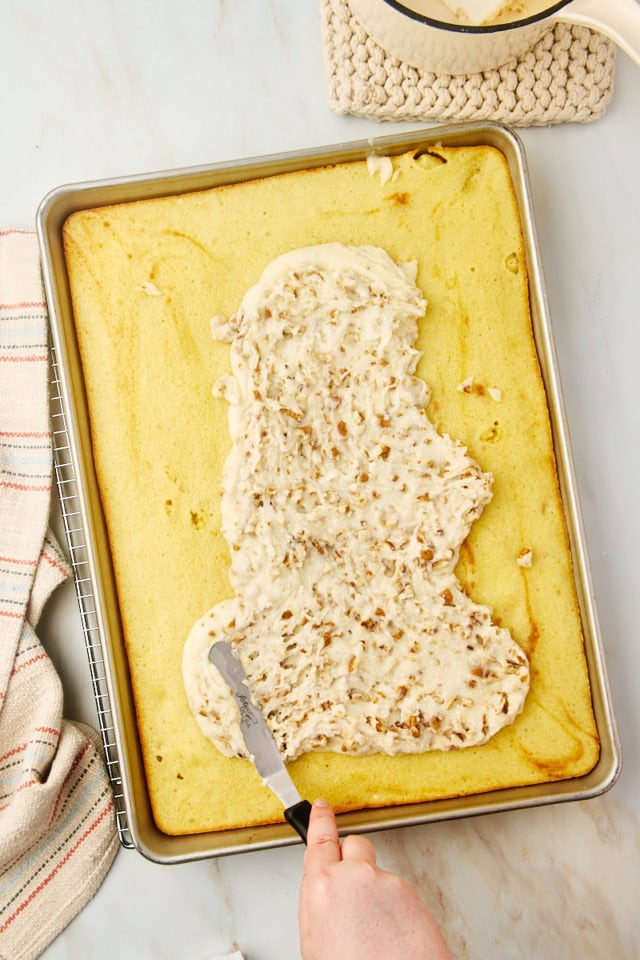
x=89 y=545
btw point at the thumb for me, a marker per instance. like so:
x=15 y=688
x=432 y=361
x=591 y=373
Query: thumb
x=323 y=845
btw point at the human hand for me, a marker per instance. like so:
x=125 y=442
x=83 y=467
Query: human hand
x=351 y=909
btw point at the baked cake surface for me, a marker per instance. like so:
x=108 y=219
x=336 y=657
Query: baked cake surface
x=146 y=279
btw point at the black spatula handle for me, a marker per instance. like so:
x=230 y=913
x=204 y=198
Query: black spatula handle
x=298 y=816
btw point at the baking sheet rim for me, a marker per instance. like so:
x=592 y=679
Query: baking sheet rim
x=151 y=842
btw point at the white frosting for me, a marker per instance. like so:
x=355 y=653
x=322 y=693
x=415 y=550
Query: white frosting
x=345 y=510
x=381 y=166
x=477 y=11
x=151 y=289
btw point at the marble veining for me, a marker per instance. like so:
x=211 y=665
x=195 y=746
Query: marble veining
x=94 y=90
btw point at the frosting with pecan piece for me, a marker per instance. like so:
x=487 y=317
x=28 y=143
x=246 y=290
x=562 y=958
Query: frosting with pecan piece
x=346 y=511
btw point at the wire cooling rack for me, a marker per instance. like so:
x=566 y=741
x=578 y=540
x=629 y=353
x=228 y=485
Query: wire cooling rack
x=76 y=541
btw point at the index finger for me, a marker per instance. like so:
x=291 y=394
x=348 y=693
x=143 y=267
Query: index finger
x=323 y=845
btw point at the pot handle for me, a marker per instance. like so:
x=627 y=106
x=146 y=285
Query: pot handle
x=617 y=19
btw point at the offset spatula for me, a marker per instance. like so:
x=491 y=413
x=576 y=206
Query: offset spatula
x=259 y=740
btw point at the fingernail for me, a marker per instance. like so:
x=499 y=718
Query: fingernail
x=320 y=802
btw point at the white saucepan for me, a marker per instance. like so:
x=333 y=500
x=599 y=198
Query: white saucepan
x=425 y=34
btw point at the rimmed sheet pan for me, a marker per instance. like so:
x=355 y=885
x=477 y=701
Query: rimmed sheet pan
x=89 y=546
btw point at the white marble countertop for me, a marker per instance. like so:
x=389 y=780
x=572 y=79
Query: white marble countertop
x=98 y=89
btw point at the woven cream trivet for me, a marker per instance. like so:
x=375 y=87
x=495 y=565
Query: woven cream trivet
x=566 y=77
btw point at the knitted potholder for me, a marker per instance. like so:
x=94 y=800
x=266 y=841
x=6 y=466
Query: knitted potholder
x=566 y=77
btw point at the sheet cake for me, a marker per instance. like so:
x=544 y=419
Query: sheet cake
x=146 y=278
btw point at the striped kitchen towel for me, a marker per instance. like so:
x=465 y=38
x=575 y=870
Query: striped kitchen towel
x=57 y=828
